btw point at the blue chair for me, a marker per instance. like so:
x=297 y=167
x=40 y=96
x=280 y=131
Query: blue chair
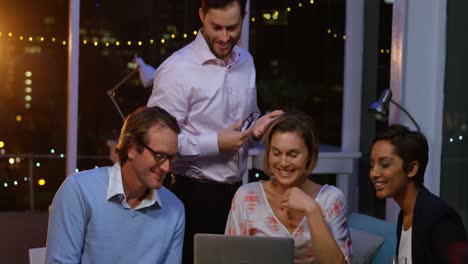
x=374 y=238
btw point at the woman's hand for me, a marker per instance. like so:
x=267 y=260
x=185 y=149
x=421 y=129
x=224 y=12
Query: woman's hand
x=294 y=198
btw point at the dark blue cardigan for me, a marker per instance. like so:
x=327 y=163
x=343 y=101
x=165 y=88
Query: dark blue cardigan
x=436 y=225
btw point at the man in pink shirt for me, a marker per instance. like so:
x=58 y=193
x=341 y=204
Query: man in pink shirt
x=209 y=86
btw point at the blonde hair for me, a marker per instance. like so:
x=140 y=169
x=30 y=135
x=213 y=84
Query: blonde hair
x=297 y=122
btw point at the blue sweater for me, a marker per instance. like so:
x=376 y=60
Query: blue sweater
x=85 y=227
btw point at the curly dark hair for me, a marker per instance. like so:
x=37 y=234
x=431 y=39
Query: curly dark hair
x=409 y=146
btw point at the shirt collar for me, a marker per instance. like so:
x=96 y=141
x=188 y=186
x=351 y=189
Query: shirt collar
x=116 y=188
x=205 y=55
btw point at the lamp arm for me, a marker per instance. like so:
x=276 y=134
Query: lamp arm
x=407 y=113
x=117 y=107
x=110 y=92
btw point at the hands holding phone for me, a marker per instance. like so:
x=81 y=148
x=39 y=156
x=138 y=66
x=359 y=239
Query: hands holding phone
x=233 y=137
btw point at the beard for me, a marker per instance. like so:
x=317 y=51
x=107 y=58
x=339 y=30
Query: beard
x=222 y=54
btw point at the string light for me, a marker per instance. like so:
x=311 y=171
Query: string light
x=41 y=182
x=98 y=42
x=273 y=15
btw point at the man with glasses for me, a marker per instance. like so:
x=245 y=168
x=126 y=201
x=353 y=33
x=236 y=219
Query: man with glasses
x=122 y=214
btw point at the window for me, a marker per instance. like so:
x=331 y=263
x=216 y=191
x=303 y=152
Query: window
x=298 y=49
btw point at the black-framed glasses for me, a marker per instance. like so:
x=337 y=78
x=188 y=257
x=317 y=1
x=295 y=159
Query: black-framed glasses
x=161 y=157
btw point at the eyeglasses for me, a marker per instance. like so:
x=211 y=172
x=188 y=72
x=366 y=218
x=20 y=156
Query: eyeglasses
x=161 y=157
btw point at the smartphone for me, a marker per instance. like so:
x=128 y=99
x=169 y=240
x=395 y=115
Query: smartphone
x=249 y=121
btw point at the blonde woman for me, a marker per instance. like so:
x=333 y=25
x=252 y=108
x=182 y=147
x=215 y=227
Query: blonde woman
x=289 y=204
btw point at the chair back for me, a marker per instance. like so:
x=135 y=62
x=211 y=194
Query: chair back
x=375 y=227
x=37 y=255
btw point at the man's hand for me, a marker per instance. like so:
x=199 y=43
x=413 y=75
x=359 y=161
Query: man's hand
x=231 y=139
x=262 y=122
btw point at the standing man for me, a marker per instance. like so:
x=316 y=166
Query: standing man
x=122 y=214
x=209 y=86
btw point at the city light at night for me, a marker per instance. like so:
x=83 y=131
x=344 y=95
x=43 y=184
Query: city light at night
x=41 y=182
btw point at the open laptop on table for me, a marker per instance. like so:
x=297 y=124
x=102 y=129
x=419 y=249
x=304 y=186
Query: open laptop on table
x=222 y=249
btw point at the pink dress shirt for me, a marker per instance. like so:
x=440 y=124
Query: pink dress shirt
x=206 y=95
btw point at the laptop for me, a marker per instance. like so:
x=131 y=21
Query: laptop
x=222 y=249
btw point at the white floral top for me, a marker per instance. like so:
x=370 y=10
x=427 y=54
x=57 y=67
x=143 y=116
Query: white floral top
x=251 y=214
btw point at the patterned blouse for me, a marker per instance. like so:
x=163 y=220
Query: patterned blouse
x=251 y=214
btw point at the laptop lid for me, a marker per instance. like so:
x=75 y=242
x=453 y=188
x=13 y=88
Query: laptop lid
x=222 y=249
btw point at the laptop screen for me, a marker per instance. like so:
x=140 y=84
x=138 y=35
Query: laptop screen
x=222 y=249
